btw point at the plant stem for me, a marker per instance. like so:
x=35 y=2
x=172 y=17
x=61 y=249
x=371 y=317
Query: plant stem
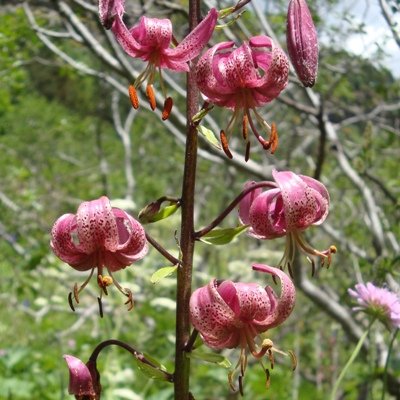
x=187 y=240
x=137 y=354
x=387 y=364
x=231 y=206
x=350 y=361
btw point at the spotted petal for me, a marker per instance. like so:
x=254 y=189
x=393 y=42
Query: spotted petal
x=284 y=304
x=303 y=203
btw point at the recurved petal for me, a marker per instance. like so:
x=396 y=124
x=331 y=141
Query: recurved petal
x=210 y=314
x=284 y=303
x=126 y=40
x=237 y=69
x=191 y=46
x=246 y=202
x=302 y=204
x=254 y=302
x=153 y=32
x=96 y=226
x=63 y=245
x=80 y=379
x=267 y=216
x=205 y=78
x=324 y=200
x=276 y=76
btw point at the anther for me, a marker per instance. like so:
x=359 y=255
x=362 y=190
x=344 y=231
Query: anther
x=245 y=131
x=168 y=103
x=273 y=138
x=267 y=378
x=225 y=146
x=151 y=97
x=134 y=97
x=293 y=358
x=76 y=293
x=247 y=154
x=70 y=301
x=129 y=302
x=241 y=385
x=100 y=307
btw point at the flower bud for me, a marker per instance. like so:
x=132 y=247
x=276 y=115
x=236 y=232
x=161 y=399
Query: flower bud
x=302 y=42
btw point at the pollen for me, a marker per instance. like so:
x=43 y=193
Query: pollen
x=133 y=97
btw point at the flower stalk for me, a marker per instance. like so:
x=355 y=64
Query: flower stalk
x=187 y=239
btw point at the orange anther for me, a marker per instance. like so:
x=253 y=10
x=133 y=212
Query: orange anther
x=224 y=143
x=133 y=96
x=168 y=103
x=244 y=127
x=273 y=139
x=151 y=96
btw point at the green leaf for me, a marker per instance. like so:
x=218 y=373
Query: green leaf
x=213 y=358
x=153 y=372
x=223 y=236
x=209 y=136
x=163 y=273
x=165 y=212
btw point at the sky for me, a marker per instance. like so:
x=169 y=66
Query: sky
x=377 y=33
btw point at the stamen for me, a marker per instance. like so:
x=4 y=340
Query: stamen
x=151 y=97
x=268 y=378
x=241 y=385
x=245 y=131
x=129 y=302
x=100 y=307
x=273 y=138
x=133 y=97
x=70 y=302
x=271 y=358
x=168 y=103
x=293 y=358
x=247 y=154
x=265 y=144
x=225 y=146
x=290 y=270
x=76 y=293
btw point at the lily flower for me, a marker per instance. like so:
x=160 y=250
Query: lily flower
x=379 y=302
x=296 y=203
x=99 y=237
x=84 y=379
x=230 y=315
x=150 y=40
x=243 y=79
x=302 y=42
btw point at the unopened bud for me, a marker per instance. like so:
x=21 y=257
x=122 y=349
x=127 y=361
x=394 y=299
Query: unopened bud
x=147 y=213
x=302 y=42
x=108 y=10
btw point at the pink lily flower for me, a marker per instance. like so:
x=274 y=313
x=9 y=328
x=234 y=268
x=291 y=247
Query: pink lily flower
x=84 y=379
x=242 y=79
x=230 y=315
x=302 y=42
x=297 y=203
x=97 y=237
x=150 y=40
